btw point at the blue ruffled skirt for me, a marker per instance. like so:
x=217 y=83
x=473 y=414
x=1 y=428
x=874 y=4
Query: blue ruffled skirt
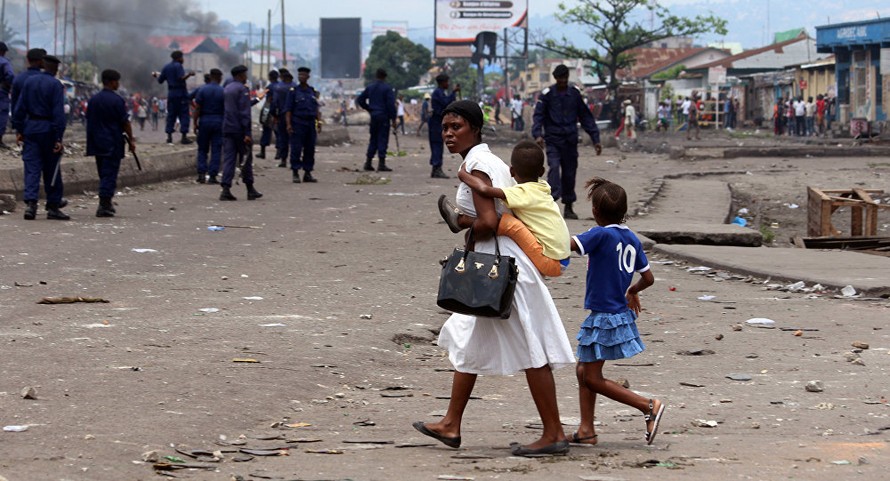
x=606 y=336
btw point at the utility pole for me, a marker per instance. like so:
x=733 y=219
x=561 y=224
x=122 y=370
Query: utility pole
x=28 y=26
x=56 y=30
x=263 y=68
x=3 y=12
x=507 y=66
x=65 y=32
x=74 y=34
x=269 y=42
x=283 y=40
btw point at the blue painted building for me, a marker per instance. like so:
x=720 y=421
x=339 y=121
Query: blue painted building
x=862 y=52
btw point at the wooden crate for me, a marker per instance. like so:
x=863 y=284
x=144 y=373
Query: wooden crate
x=821 y=204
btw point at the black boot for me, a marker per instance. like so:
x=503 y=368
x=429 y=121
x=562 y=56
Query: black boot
x=252 y=194
x=105 y=208
x=295 y=178
x=185 y=140
x=262 y=154
x=307 y=177
x=30 y=209
x=282 y=163
x=226 y=194
x=369 y=166
x=213 y=179
x=169 y=138
x=53 y=212
x=381 y=166
x=438 y=173
x=201 y=178
x=568 y=213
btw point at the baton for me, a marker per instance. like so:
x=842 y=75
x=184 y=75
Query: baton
x=56 y=172
x=135 y=157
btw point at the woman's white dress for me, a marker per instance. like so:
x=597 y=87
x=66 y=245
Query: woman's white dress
x=534 y=335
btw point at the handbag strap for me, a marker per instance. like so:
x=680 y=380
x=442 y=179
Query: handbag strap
x=497 y=246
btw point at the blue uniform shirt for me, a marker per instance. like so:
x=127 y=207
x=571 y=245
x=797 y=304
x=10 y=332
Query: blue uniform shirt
x=41 y=107
x=211 y=99
x=106 y=116
x=237 y=109
x=302 y=103
x=613 y=255
x=172 y=73
x=440 y=100
x=558 y=114
x=19 y=82
x=378 y=99
x=279 y=98
x=7 y=76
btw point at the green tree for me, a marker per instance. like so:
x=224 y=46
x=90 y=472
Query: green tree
x=618 y=26
x=10 y=36
x=461 y=72
x=670 y=73
x=403 y=60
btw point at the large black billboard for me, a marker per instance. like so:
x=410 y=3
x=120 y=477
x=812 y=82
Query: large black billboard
x=341 y=48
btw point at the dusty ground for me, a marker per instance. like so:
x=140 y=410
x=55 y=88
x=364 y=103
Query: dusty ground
x=344 y=333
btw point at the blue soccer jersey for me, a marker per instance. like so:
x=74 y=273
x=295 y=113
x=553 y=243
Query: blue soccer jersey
x=613 y=255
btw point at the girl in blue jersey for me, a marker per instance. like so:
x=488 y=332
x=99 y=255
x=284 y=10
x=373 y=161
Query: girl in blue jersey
x=610 y=331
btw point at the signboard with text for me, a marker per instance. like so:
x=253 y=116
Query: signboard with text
x=473 y=28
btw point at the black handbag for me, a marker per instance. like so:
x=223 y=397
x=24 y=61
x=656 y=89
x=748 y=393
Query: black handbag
x=478 y=284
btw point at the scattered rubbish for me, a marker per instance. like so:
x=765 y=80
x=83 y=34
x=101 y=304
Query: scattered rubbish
x=860 y=345
x=703 y=423
x=697 y=352
x=415 y=445
x=736 y=327
x=22 y=284
x=97 y=325
x=672 y=288
x=150 y=457
x=297 y=425
x=253 y=298
x=791 y=205
x=142 y=251
x=698 y=269
x=392 y=394
x=760 y=321
x=368 y=441
x=70 y=300
x=454 y=477
x=691 y=384
x=743 y=211
x=842 y=462
x=366 y=179
x=215 y=228
x=265 y=452
x=740 y=221
x=719 y=337
x=365 y=316
x=274 y=324
x=471 y=456
x=797 y=286
x=324 y=451
x=303 y=440
x=798 y=333
x=209 y=310
x=707 y=298
x=15 y=429
x=29 y=393
x=824 y=406
x=814 y=386
x=246 y=359
x=739 y=377
x=174 y=459
x=848 y=291
x=364 y=422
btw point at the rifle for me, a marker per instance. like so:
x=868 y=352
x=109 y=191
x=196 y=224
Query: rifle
x=135 y=157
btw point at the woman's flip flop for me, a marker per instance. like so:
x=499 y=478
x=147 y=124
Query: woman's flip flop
x=583 y=440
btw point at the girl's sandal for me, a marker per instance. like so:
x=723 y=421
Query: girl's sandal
x=654 y=417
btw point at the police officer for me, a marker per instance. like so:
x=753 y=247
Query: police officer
x=279 y=109
x=237 y=135
x=39 y=117
x=303 y=123
x=266 y=115
x=380 y=101
x=559 y=109
x=7 y=76
x=440 y=99
x=209 y=110
x=177 y=95
x=107 y=122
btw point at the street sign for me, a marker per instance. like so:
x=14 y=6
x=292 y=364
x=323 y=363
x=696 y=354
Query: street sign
x=717 y=75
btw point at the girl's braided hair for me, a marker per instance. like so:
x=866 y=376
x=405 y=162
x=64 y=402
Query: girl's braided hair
x=608 y=199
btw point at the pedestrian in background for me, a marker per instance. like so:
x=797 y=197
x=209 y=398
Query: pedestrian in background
x=266 y=114
x=440 y=100
x=279 y=110
x=400 y=113
x=424 y=113
x=559 y=110
x=6 y=78
x=379 y=100
x=107 y=123
x=177 y=96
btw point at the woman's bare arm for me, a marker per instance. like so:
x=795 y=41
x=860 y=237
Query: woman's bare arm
x=486 y=224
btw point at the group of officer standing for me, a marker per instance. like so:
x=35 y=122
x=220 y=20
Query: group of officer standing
x=37 y=99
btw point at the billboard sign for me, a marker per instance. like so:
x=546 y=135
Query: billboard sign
x=380 y=27
x=341 y=48
x=471 y=28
